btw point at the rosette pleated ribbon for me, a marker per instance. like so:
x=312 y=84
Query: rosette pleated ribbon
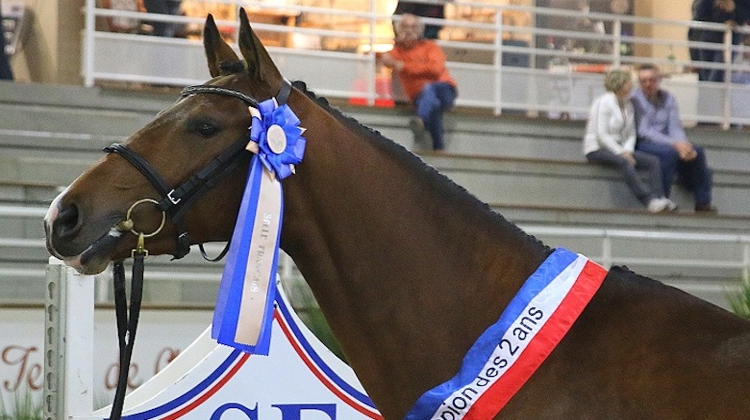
x=244 y=306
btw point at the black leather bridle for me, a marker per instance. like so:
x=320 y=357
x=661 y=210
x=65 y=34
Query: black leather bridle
x=176 y=201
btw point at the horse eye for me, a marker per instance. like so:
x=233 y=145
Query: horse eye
x=205 y=129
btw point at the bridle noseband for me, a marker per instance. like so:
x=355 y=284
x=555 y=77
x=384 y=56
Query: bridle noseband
x=176 y=201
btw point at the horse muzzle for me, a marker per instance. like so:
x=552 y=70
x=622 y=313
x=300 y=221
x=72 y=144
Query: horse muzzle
x=89 y=244
x=77 y=247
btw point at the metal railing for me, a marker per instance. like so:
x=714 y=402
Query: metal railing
x=687 y=251
x=608 y=255
x=533 y=68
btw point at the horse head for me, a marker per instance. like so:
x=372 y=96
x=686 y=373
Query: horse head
x=84 y=225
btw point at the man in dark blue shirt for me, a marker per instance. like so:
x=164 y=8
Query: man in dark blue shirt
x=660 y=132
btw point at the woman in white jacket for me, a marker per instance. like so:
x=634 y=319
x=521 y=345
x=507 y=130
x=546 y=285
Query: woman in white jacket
x=610 y=140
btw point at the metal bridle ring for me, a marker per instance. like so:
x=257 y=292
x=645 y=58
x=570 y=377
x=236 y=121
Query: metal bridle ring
x=161 y=225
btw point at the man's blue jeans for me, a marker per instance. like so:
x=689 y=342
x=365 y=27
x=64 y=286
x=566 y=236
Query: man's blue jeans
x=695 y=175
x=435 y=99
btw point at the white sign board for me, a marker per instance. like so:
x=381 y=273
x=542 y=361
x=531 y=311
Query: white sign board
x=300 y=379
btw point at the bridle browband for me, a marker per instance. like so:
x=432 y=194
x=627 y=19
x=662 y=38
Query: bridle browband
x=176 y=201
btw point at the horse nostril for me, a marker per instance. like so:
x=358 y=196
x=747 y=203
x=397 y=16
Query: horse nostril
x=67 y=223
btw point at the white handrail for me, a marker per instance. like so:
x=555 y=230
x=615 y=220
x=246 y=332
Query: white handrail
x=608 y=258
x=493 y=86
x=21 y=211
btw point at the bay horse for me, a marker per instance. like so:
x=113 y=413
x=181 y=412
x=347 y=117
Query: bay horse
x=408 y=267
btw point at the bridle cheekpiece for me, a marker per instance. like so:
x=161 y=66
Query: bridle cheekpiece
x=176 y=201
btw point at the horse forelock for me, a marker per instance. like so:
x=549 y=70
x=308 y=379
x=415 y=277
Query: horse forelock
x=228 y=67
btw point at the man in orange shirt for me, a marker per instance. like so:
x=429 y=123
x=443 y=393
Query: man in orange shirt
x=420 y=65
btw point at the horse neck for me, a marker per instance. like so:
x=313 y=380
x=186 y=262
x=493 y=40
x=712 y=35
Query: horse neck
x=407 y=268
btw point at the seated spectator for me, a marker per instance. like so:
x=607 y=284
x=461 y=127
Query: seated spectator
x=420 y=66
x=660 y=133
x=610 y=140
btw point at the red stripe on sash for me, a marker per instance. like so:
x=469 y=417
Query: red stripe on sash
x=497 y=395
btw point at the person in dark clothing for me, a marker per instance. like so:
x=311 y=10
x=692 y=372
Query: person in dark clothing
x=6 y=73
x=164 y=7
x=427 y=10
x=716 y=11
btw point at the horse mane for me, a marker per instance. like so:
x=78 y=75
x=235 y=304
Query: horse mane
x=456 y=192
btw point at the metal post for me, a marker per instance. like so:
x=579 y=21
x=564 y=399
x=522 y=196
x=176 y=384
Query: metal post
x=88 y=49
x=53 y=353
x=727 y=78
x=68 y=344
x=372 y=62
x=607 y=251
x=617 y=47
x=498 y=61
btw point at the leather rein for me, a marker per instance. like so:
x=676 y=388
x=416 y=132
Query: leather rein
x=175 y=202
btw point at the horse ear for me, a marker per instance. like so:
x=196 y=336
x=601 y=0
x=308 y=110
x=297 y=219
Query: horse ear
x=217 y=50
x=259 y=63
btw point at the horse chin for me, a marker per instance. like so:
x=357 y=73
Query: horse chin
x=95 y=258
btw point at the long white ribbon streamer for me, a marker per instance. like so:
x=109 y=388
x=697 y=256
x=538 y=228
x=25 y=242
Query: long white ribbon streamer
x=261 y=261
x=244 y=306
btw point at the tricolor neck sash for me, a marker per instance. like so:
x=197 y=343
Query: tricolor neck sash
x=509 y=352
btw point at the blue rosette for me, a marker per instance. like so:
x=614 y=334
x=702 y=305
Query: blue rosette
x=275 y=129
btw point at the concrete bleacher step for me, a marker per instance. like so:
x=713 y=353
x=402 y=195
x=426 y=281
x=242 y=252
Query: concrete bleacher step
x=78 y=109
x=539 y=182
x=475 y=133
x=74 y=123
x=22 y=143
x=627 y=219
x=48 y=172
x=21 y=222
x=188 y=280
x=27 y=192
x=46 y=124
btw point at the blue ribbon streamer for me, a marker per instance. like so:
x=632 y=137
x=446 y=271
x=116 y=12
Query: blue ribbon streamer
x=229 y=298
